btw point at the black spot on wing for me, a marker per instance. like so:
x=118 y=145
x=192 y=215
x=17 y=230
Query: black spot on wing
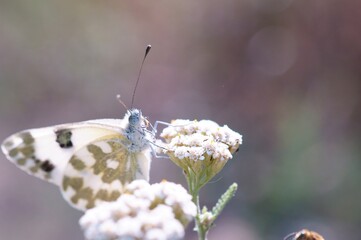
x=63 y=137
x=47 y=166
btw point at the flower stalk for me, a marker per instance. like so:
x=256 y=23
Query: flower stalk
x=194 y=191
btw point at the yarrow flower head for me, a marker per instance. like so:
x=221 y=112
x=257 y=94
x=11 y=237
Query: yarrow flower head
x=144 y=211
x=200 y=148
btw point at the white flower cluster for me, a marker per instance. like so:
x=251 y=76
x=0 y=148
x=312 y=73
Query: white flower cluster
x=194 y=140
x=144 y=211
x=200 y=148
x=200 y=144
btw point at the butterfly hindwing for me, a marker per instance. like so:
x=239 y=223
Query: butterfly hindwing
x=98 y=171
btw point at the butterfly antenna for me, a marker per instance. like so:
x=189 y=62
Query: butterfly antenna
x=121 y=102
x=140 y=70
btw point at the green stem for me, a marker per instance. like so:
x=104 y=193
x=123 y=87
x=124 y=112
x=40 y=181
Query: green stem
x=194 y=190
x=202 y=232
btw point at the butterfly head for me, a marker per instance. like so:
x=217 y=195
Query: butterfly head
x=135 y=117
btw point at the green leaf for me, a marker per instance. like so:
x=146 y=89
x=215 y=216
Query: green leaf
x=224 y=199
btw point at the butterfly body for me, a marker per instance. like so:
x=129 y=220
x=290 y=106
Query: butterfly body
x=90 y=161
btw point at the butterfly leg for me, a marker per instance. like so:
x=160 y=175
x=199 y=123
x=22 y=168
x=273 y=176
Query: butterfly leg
x=153 y=147
x=156 y=125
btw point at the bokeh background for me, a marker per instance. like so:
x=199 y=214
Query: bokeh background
x=285 y=74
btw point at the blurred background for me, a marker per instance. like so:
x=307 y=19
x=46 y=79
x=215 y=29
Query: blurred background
x=285 y=74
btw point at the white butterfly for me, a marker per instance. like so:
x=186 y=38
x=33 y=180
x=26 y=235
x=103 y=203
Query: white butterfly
x=90 y=161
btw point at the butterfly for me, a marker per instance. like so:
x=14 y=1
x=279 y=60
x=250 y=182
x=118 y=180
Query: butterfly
x=90 y=161
x=304 y=235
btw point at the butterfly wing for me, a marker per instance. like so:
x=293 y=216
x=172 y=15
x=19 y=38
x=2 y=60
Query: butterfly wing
x=45 y=152
x=98 y=171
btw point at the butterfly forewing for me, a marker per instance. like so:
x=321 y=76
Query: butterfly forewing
x=98 y=171
x=45 y=152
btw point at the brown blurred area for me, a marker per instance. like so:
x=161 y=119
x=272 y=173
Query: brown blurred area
x=285 y=74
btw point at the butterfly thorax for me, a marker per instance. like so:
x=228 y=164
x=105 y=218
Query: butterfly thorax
x=136 y=131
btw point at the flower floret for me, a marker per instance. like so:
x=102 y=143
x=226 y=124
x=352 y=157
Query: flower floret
x=144 y=211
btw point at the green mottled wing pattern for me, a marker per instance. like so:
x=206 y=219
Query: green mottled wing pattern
x=98 y=172
x=89 y=161
x=45 y=152
x=20 y=149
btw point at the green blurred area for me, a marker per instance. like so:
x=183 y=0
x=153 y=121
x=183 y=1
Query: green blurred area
x=285 y=74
